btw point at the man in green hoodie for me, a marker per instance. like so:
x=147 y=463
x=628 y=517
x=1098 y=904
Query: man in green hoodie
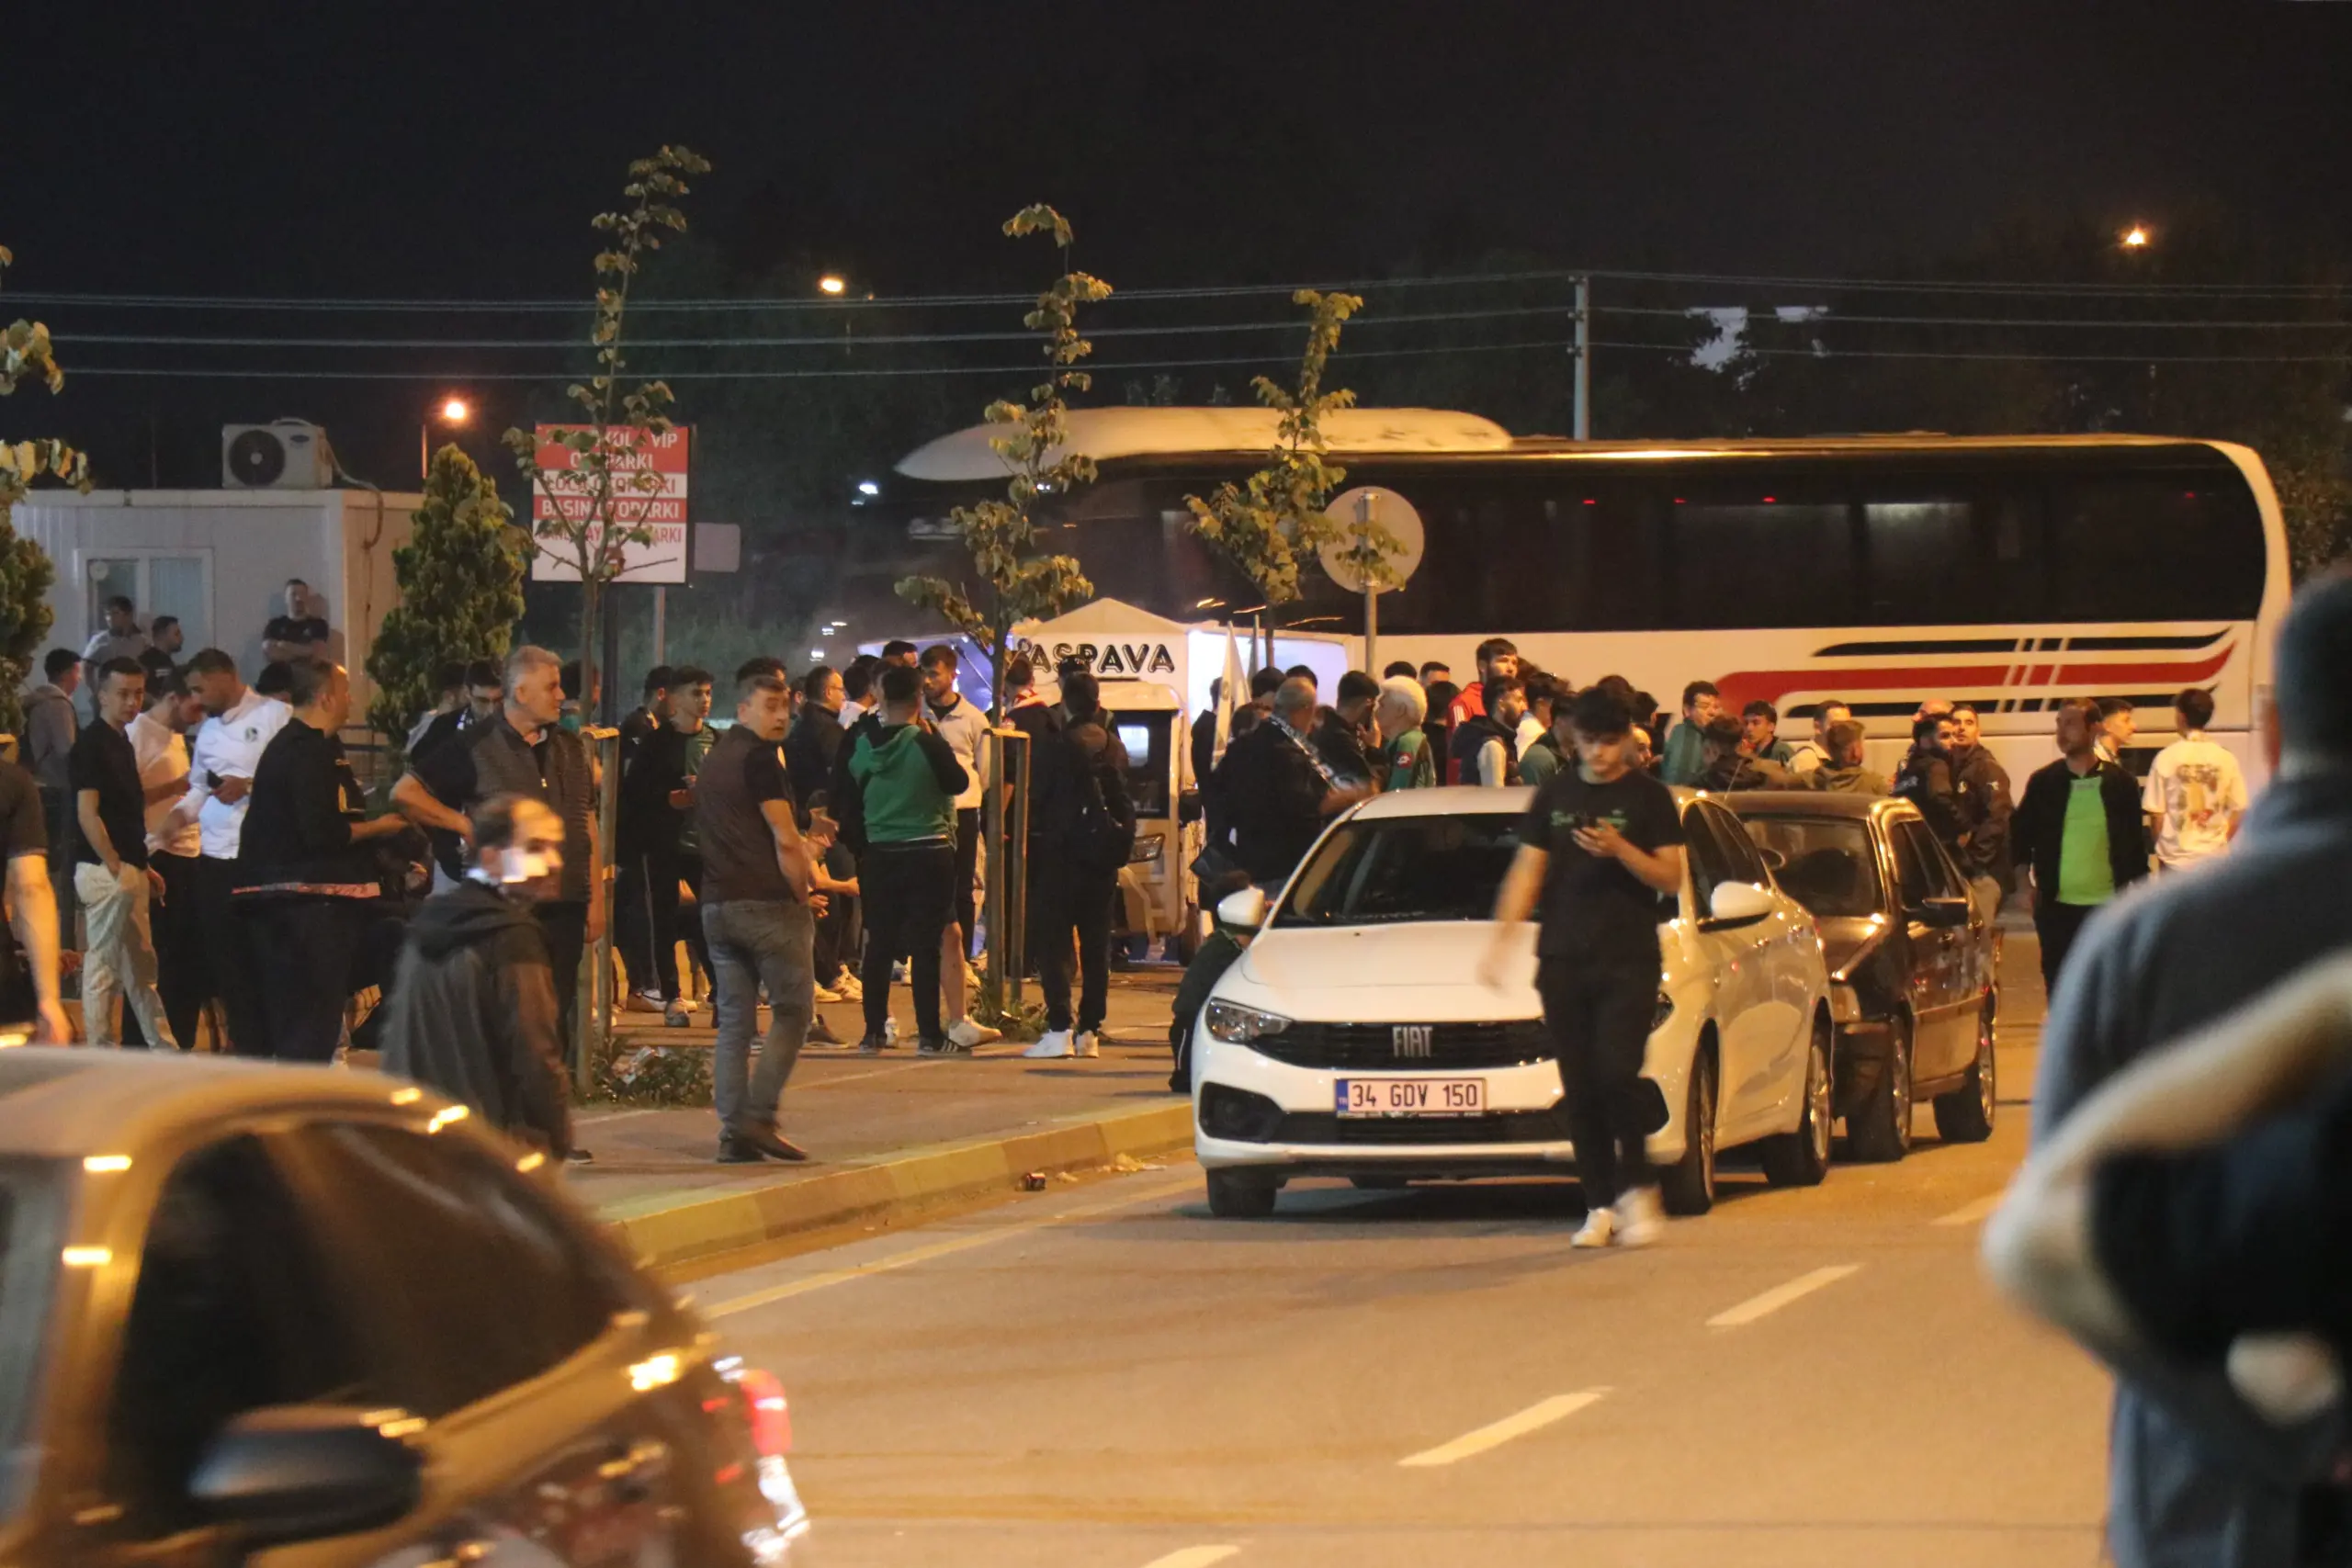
x=895 y=785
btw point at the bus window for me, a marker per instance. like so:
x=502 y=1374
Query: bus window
x=1763 y=559
x=2020 y=577
x=1926 y=561
x=2183 y=547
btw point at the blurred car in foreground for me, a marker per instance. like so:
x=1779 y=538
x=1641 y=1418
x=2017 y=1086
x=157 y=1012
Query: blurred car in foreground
x=1911 y=961
x=1355 y=1038
x=316 y=1317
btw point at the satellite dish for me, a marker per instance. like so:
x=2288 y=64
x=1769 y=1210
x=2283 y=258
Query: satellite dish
x=1391 y=512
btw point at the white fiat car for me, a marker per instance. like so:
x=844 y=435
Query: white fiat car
x=1354 y=1039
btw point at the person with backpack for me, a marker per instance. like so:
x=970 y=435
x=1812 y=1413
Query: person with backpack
x=894 y=793
x=1081 y=829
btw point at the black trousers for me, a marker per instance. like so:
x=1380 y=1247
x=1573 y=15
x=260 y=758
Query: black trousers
x=646 y=925
x=564 y=926
x=968 y=871
x=2058 y=925
x=307 y=948
x=910 y=894
x=837 y=927
x=1067 y=900
x=228 y=954
x=1598 y=1016
x=178 y=926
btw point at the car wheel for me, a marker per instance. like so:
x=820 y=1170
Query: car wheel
x=1801 y=1158
x=1240 y=1194
x=1881 y=1128
x=1377 y=1183
x=1689 y=1186
x=1966 y=1115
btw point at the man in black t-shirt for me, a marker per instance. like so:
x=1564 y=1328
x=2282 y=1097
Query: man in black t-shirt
x=300 y=632
x=110 y=872
x=1598 y=846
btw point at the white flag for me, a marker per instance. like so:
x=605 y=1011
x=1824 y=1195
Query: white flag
x=1235 y=682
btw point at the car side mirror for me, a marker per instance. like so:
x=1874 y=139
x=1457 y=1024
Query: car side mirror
x=1945 y=910
x=1738 y=903
x=1244 y=911
x=307 y=1471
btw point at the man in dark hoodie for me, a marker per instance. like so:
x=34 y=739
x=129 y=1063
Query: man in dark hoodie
x=894 y=792
x=473 y=1013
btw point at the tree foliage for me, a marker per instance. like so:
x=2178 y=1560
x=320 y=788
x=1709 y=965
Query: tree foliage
x=25 y=572
x=460 y=579
x=1274 y=520
x=1013 y=585
x=611 y=499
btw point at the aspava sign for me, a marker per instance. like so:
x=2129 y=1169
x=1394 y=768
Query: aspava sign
x=1112 y=656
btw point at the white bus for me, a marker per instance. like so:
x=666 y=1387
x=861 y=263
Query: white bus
x=2008 y=571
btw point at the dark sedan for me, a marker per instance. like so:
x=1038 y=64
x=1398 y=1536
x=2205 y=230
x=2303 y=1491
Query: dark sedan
x=316 y=1317
x=1911 y=962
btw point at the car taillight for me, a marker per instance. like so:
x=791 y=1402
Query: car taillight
x=766 y=1408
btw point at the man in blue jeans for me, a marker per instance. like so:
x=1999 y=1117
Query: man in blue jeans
x=756 y=915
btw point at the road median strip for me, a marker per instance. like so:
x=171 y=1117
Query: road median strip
x=697 y=1227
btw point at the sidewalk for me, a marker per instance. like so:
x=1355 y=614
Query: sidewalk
x=887 y=1134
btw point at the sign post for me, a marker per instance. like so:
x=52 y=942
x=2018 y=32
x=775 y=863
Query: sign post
x=659 y=506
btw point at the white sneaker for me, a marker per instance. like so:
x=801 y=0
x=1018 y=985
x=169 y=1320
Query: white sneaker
x=1086 y=1044
x=967 y=1034
x=1053 y=1047
x=899 y=973
x=827 y=994
x=1599 y=1226
x=890 y=1030
x=1641 y=1217
x=852 y=988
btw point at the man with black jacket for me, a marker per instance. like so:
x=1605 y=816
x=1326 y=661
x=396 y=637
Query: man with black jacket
x=894 y=792
x=1981 y=796
x=472 y=1013
x=1276 y=792
x=1925 y=778
x=2079 y=830
x=307 y=882
x=1079 y=813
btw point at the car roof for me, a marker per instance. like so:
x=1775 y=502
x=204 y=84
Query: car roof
x=69 y=1102
x=1815 y=803
x=1463 y=800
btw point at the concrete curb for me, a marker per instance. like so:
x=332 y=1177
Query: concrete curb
x=898 y=1187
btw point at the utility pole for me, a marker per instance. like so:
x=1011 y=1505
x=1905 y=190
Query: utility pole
x=1584 y=358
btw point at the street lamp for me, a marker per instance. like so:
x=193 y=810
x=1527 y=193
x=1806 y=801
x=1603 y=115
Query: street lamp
x=451 y=410
x=834 y=284
x=2135 y=238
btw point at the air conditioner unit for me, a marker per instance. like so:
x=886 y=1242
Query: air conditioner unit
x=285 y=454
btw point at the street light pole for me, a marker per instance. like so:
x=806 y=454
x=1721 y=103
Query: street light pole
x=1584 y=359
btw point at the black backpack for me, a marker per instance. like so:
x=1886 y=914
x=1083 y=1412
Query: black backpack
x=1103 y=841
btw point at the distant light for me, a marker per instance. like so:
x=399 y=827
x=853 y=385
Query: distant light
x=867 y=487
x=107 y=1162
x=444 y=1117
x=832 y=283
x=816 y=653
x=454 y=411
x=2135 y=237
x=87 y=1257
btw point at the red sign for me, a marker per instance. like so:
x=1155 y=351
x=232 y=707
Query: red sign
x=649 y=491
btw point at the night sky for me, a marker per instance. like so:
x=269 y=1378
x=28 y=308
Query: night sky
x=418 y=152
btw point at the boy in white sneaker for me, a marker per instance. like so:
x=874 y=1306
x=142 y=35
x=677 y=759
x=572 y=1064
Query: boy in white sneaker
x=1598 y=846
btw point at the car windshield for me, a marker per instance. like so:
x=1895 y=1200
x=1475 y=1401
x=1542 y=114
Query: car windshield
x=1826 y=860
x=1405 y=868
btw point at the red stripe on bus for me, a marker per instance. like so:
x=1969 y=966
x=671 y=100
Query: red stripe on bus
x=1773 y=685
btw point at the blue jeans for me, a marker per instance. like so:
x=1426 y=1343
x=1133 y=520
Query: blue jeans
x=754 y=942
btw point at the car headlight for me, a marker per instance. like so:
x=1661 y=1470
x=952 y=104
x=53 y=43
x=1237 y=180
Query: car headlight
x=1239 y=1025
x=1844 y=1004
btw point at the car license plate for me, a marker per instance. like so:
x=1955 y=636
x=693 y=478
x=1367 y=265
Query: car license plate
x=1411 y=1097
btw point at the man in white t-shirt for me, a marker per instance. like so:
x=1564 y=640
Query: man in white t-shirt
x=2195 y=791
x=221 y=760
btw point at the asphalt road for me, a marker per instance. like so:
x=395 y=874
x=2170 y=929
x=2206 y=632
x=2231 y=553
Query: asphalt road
x=1105 y=1377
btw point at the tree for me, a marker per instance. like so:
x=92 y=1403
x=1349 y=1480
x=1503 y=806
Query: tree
x=460 y=579
x=1274 y=521
x=1015 y=585
x=26 y=571
x=603 y=502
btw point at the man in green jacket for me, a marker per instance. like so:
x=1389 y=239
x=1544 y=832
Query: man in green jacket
x=895 y=785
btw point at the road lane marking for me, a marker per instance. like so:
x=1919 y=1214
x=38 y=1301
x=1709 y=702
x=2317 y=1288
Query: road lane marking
x=1195 y=1557
x=1974 y=1212
x=601 y=1118
x=1536 y=1418
x=938 y=1249
x=1780 y=1296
